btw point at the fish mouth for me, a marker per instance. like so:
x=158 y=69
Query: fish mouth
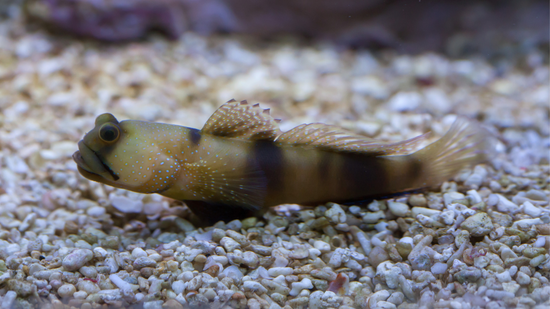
x=90 y=165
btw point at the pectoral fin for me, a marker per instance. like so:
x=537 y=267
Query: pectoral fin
x=216 y=180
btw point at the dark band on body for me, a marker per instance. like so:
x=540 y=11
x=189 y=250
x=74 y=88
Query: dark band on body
x=270 y=159
x=324 y=164
x=414 y=170
x=363 y=176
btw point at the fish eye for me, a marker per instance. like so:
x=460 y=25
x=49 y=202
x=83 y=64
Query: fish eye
x=109 y=133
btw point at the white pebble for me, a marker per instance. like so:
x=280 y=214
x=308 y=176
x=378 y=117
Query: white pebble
x=100 y=252
x=540 y=242
x=523 y=279
x=121 y=284
x=526 y=223
x=254 y=286
x=450 y=197
x=504 y=277
x=377 y=297
x=373 y=217
x=229 y=244
x=96 y=211
x=474 y=197
x=8 y=299
x=439 y=268
x=87 y=286
x=506 y=206
x=531 y=210
x=125 y=204
x=398 y=209
x=138 y=252
x=297 y=287
x=321 y=246
x=336 y=214
x=77 y=259
x=66 y=290
x=404 y=101
x=424 y=211
x=277 y=271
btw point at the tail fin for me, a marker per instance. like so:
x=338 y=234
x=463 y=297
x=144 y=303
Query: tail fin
x=465 y=144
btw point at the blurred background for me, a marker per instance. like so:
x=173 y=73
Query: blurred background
x=381 y=68
x=389 y=69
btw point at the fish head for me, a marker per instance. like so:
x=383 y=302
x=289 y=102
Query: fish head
x=118 y=154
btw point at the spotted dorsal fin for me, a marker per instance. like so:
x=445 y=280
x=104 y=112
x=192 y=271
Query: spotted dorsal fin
x=243 y=121
x=333 y=138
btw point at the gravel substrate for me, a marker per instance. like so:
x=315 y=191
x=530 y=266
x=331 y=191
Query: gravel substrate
x=480 y=241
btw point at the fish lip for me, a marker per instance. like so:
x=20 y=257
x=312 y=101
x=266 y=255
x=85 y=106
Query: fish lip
x=83 y=166
x=77 y=158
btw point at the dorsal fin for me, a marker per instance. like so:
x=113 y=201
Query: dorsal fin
x=243 y=121
x=333 y=138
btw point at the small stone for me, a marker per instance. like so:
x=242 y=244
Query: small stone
x=77 y=259
x=373 y=217
x=138 y=252
x=321 y=246
x=398 y=209
x=299 y=253
x=537 y=260
x=144 y=261
x=452 y=197
x=478 y=225
x=22 y=288
x=172 y=304
x=523 y=279
x=254 y=286
x=125 y=204
x=89 y=272
x=66 y=290
x=80 y=295
x=439 y=268
x=70 y=228
x=27 y=222
x=377 y=256
x=396 y=298
x=96 y=211
x=249 y=222
x=468 y=274
x=504 y=277
x=235 y=225
x=8 y=299
x=153 y=304
x=531 y=252
x=277 y=271
x=178 y=286
x=424 y=211
x=184 y=225
x=418 y=200
x=110 y=242
x=511 y=287
x=531 y=210
x=297 y=287
x=506 y=206
x=229 y=244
